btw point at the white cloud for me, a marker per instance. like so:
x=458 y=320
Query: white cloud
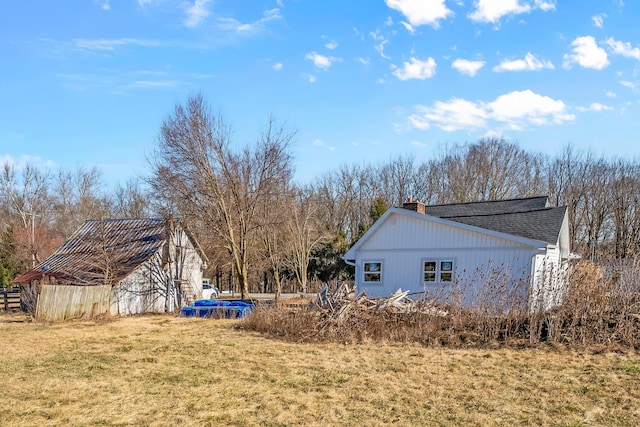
x=529 y=63
x=587 y=54
x=321 y=143
x=141 y=3
x=465 y=66
x=493 y=10
x=628 y=84
x=111 y=44
x=416 y=69
x=544 y=5
x=153 y=84
x=517 y=110
x=596 y=106
x=104 y=4
x=624 y=49
x=235 y=26
x=421 y=12
x=200 y=76
x=277 y=66
x=363 y=61
x=321 y=61
x=493 y=134
x=598 y=20
x=26 y=160
x=376 y=36
x=388 y=22
x=450 y=116
x=610 y=94
x=418 y=144
x=197 y=13
x=309 y=77
x=520 y=108
x=331 y=45
x=408 y=27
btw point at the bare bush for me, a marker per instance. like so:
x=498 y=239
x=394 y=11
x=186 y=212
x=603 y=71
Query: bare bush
x=601 y=307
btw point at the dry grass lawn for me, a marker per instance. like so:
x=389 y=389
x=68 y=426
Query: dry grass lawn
x=163 y=370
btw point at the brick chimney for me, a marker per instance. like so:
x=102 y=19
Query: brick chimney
x=414 y=205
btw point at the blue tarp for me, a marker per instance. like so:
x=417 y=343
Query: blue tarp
x=217 y=308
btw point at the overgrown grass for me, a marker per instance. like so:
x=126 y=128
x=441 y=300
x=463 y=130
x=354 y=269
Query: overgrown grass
x=165 y=371
x=600 y=309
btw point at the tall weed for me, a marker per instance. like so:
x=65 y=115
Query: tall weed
x=600 y=307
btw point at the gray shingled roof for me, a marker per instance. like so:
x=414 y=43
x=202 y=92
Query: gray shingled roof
x=530 y=218
x=119 y=245
x=487 y=208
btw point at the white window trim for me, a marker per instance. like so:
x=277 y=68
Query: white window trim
x=438 y=271
x=368 y=261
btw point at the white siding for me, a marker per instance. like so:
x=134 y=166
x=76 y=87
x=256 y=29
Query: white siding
x=150 y=288
x=549 y=280
x=187 y=267
x=402 y=243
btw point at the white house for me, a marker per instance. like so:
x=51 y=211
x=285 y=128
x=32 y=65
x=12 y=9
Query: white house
x=519 y=247
x=145 y=265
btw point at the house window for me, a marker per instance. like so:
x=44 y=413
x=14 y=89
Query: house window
x=373 y=272
x=437 y=271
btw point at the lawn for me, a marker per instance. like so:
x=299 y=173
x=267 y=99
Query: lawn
x=164 y=370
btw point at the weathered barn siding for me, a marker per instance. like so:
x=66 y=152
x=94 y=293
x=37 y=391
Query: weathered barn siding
x=148 y=289
x=187 y=270
x=163 y=283
x=58 y=302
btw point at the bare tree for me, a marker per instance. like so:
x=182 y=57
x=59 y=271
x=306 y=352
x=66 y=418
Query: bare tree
x=626 y=208
x=490 y=169
x=26 y=196
x=130 y=200
x=78 y=197
x=273 y=238
x=346 y=195
x=595 y=211
x=568 y=180
x=396 y=180
x=305 y=231
x=197 y=168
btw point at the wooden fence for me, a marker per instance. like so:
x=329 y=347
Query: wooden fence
x=10 y=299
x=58 y=302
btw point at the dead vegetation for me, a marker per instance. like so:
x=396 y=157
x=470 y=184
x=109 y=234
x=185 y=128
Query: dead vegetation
x=163 y=370
x=601 y=309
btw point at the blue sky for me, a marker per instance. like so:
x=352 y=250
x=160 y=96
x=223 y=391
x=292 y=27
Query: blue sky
x=88 y=82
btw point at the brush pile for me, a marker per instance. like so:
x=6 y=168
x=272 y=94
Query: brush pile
x=342 y=304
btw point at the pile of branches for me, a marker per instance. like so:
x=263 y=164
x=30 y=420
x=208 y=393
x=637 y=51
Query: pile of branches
x=341 y=304
x=344 y=316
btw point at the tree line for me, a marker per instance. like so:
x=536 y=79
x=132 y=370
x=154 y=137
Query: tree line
x=256 y=222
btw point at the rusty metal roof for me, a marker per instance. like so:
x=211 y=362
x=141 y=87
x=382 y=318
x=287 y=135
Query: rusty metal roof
x=102 y=251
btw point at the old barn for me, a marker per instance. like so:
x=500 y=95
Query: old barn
x=120 y=266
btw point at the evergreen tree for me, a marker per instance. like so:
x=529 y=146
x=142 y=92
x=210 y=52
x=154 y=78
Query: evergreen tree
x=9 y=267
